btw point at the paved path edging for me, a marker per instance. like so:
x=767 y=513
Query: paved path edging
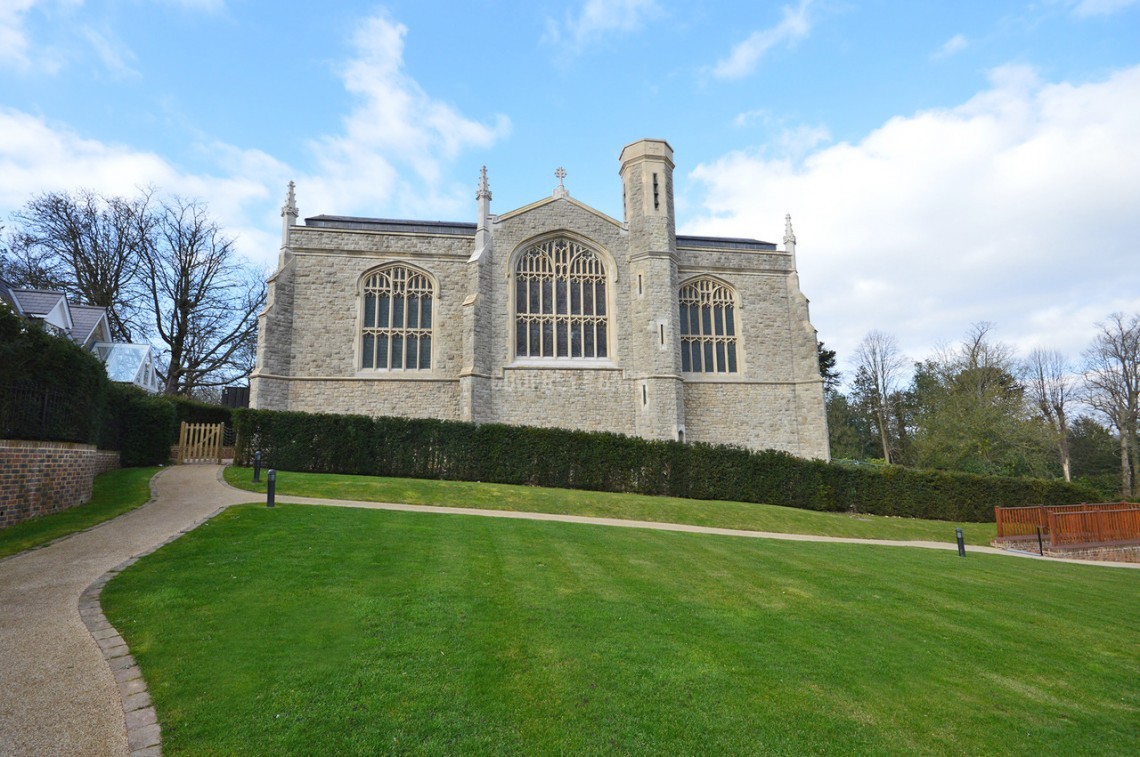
x=144 y=734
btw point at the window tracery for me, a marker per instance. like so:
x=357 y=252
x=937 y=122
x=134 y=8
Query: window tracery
x=560 y=302
x=396 y=330
x=708 y=327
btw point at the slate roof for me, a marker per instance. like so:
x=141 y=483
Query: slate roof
x=84 y=319
x=457 y=228
x=731 y=243
x=36 y=302
x=393 y=225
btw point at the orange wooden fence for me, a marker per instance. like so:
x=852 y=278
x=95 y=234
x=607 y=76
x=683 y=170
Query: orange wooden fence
x=1066 y=525
x=1023 y=521
x=1094 y=527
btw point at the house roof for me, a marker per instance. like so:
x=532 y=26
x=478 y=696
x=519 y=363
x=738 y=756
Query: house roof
x=84 y=320
x=36 y=302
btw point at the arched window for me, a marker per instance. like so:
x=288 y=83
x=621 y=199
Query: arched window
x=397 y=320
x=560 y=302
x=708 y=327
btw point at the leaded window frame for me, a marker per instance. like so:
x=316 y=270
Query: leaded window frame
x=561 y=290
x=398 y=309
x=709 y=328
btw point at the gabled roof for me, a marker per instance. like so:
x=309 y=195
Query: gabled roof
x=36 y=303
x=561 y=198
x=85 y=320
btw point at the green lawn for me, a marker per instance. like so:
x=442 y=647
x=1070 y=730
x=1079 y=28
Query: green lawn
x=786 y=520
x=115 y=492
x=305 y=630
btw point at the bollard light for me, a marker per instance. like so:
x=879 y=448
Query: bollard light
x=257 y=467
x=961 y=542
x=270 y=487
x=1040 y=543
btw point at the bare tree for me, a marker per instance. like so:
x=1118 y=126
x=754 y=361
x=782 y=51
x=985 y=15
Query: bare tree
x=88 y=246
x=205 y=299
x=878 y=357
x=1049 y=384
x=1112 y=386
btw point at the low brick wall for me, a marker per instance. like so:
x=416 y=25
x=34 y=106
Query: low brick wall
x=39 y=478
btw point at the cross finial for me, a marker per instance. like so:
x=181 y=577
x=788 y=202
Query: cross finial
x=560 y=190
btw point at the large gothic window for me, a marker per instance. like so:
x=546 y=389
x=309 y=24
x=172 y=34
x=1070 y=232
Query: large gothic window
x=708 y=327
x=560 y=302
x=397 y=320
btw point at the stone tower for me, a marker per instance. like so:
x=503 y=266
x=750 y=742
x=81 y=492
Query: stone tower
x=647 y=191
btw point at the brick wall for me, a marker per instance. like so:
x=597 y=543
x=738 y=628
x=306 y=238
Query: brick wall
x=39 y=478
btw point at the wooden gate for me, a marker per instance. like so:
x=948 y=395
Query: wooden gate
x=200 y=443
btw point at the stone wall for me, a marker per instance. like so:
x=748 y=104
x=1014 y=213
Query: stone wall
x=309 y=345
x=40 y=478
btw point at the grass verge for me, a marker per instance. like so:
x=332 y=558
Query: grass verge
x=719 y=514
x=324 y=630
x=115 y=492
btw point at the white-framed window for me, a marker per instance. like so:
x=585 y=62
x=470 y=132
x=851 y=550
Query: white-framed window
x=709 y=340
x=560 y=302
x=396 y=324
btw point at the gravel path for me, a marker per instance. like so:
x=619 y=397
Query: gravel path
x=58 y=695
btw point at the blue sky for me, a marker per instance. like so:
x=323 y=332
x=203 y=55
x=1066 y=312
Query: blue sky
x=944 y=163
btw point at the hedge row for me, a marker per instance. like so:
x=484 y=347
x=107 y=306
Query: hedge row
x=610 y=462
x=51 y=389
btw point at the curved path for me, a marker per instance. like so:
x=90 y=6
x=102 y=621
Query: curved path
x=58 y=695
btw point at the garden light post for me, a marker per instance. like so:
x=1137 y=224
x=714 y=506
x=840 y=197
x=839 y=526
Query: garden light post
x=270 y=487
x=961 y=542
x=257 y=467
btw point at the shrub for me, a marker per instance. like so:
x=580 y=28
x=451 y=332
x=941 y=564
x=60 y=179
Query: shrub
x=611 y=462
x=139 y=425
x=50 y=388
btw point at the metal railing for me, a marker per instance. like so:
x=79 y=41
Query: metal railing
x=39 y=413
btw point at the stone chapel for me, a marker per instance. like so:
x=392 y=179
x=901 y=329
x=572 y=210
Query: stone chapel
x=552 y=314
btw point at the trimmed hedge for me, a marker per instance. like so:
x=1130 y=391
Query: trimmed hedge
x=194 y=411
x=139 y=425
x=50 y=388
x=496 y=453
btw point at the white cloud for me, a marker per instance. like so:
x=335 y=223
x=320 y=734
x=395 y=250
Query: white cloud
x=397 y=139
x=599 y=19
x=390 y=157
x=15 y=47
x=115 y=56
x=1102 y=7
x=37 y=156
x=1017 y=207
x=795 y=25
x=952 y=46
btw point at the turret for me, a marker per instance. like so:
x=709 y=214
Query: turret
x=647 y=189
